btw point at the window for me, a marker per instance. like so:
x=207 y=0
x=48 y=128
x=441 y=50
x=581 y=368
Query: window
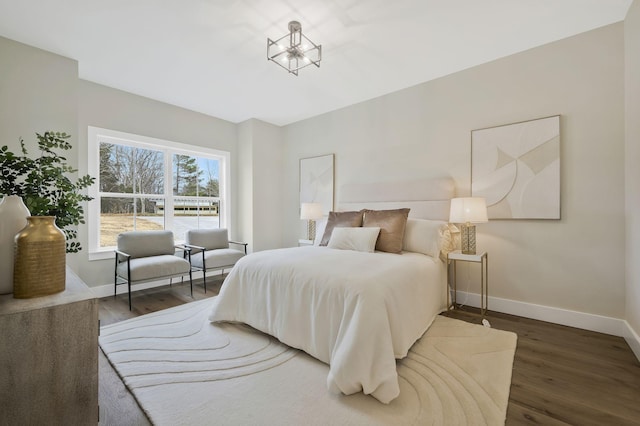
x=144 y=184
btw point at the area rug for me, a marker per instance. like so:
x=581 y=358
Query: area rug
x=183 y=370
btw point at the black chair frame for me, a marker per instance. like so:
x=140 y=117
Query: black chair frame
x=118 y=280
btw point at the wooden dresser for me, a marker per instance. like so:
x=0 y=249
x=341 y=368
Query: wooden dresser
x=49 y=357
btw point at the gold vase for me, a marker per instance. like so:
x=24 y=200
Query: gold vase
x=40 y=258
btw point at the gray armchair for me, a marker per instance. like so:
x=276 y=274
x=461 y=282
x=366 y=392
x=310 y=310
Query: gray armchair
x=146 y=256
x=210 y=250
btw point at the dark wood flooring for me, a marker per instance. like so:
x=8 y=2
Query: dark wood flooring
x=561 y=375
x=564 y=375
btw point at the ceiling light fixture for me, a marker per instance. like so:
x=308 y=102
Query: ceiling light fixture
x=300 y=53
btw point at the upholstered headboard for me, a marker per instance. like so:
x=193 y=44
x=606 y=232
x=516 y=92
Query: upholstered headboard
x=427 y=199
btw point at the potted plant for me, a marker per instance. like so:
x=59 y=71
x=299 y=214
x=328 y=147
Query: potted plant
x=44 y=185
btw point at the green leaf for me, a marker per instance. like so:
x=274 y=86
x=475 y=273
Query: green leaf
x=45 y=185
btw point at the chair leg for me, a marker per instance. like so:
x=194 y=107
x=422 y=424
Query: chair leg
x=115 y=278
x=191 y=281
x=204 y=272
x=129 y=285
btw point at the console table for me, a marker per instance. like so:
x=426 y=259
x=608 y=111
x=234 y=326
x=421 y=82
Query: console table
x=49 y=357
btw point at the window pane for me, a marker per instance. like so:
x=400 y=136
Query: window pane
x=116 y=168
x=149 y=171
x=128 y=214
x=185 y=175
x=195 y=176
x=194 y=213
x=131 y=170
x=210 y=177
x=150 y=214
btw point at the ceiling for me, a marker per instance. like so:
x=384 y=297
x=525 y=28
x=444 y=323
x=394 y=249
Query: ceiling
x=210 y=55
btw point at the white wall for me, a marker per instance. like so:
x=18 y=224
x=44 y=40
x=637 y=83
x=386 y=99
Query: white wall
x=38 y=92
x=632 y=169
x=261 y=148
x=267 y=185
x=575 y=263
x=245 y=183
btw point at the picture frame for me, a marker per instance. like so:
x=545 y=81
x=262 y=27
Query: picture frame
x=316 y=181
x=516 y=168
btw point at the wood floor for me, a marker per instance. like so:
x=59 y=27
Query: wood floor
x=561 y=375
x=564 y=375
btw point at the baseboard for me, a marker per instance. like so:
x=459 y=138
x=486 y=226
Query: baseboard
x=599 y=323
x=632 y=338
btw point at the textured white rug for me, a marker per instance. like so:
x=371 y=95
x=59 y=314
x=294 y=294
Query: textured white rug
x=183 y=370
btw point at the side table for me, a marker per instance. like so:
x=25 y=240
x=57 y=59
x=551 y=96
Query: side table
x=483 y=259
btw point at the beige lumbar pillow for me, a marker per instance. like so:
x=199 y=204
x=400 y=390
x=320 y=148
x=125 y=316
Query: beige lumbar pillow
x=357 y=239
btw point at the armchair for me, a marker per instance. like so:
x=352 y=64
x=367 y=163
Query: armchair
x=144 y=256
x=210 y=250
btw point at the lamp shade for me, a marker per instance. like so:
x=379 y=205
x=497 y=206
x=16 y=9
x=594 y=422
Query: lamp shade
x=310 y=211
x=468 y=210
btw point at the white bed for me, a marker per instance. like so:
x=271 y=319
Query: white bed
x=356 y=311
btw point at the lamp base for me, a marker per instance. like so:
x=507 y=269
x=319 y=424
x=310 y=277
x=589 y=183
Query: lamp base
x=311 y=230
x=468 y=238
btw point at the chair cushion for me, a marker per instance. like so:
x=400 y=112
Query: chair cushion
x=210 y=239
x=146 y=268
x=217 y=258
x=146 y=243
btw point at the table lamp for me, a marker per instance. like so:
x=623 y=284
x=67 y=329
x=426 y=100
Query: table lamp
x=310 y=212
x=467 y=211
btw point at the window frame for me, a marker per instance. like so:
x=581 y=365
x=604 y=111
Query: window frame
x=97 y=135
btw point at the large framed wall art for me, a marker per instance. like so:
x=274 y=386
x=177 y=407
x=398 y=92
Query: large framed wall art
x=316 y=181
x=516 y=168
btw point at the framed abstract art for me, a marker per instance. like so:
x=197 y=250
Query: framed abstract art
x=516 y=168
x=316 y=181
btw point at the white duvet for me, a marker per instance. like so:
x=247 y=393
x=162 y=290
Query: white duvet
x=355 y=311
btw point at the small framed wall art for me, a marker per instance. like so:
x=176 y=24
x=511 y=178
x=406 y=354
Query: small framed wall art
x=516 y=168
x=316 y=181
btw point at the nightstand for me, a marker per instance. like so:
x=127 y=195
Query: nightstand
x=483 y=259
x=302 y=243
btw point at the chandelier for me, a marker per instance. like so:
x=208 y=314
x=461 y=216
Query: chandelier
x=300 y=52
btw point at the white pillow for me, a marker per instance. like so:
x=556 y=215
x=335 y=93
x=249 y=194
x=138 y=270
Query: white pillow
x=358 y=239
x=320 y=225
x=427 y=237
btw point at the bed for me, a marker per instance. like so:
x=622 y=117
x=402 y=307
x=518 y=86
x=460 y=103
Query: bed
x=349 y=304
